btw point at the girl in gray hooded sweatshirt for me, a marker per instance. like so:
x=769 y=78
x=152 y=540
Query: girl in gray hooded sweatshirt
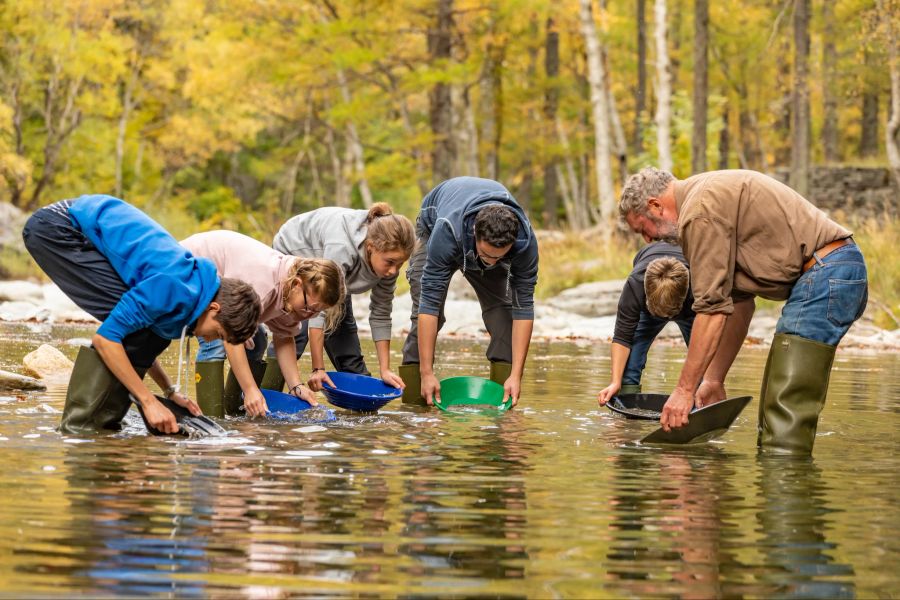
x=371 y=246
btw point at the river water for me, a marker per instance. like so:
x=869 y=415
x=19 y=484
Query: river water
x=553 y=499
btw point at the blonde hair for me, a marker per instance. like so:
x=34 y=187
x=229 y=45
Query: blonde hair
x=666 y=284
x=325 y=279
x=388 y=232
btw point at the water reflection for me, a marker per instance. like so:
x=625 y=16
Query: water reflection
x=469 y=518
x=795 y=521
x=555 y=498
x=668 y=512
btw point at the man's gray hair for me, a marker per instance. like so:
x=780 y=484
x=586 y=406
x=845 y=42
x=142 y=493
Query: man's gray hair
x=647 y=183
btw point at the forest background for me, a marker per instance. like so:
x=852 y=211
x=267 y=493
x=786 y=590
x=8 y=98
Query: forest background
x=238 y=114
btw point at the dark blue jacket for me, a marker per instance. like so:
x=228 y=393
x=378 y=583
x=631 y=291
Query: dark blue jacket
x=169 y=287
x=448 y=219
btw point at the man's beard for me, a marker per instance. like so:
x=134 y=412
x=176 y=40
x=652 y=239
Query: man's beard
x=666 y=231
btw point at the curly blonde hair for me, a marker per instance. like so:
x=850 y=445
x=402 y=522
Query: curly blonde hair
x=666 y=284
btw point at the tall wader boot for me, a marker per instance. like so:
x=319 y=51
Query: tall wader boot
x=793 y=394
x=412 y=393
x=272 y=378
x=630 y=388
x=233 y=398
x=96 y=399
x=500 y=371
x=209 y=375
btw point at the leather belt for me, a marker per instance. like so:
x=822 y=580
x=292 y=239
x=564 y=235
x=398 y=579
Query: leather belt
x=825 y=251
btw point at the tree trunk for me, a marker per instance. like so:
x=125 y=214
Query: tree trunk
x=800 y=104
x=466 y=132
x=783 y=106
x=701 y=85
x=354 y=145
x=892 y=133
x=551 y=103
x=868 y=137
x=491 y=108
x=568 y=181
x=443 y=154
x=341 y=192
x=663 y=89
x=601 y=118
x=829 y=84
x=128 y=104
x=640 y=94
x=724 y=141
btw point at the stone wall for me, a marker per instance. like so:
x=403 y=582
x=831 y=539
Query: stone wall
x=857 y=192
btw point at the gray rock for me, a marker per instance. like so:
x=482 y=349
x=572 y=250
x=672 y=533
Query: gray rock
x=14 y=381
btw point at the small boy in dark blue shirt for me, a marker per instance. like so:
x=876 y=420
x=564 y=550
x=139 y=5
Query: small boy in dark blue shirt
x=657 y=291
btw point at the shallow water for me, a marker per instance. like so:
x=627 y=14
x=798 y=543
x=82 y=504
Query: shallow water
x=554 y=498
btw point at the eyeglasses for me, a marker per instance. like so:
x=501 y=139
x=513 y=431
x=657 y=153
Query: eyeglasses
x=306 y=307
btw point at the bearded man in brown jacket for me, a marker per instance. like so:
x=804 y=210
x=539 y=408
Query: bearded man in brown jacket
x=744 y=235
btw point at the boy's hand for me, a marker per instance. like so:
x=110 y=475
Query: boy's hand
x=607 y=393
x=159 y=416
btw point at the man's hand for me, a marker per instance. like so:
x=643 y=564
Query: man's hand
x=182 y=400
x=304 y=393
x=512 y=387
x=392 y=379
x=317 y=380
x=159 y=416
x=676 y=410
x=607 y=393
x=431 y=389
x=254 y=402
x=710 y=392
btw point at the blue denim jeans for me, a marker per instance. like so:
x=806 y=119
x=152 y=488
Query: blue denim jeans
x=648 y=328
x=215 y=349
x=828 y=298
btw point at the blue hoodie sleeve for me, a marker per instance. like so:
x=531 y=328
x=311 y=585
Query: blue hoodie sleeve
x=145 y=304
x=523 y=278
x=441 y=261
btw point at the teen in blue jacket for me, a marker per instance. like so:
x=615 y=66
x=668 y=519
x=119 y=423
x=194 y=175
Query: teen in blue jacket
x=476 y=226
x=124 y=269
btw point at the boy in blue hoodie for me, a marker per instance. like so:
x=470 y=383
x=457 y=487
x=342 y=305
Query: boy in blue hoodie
x=474 y=225
x=125 y=270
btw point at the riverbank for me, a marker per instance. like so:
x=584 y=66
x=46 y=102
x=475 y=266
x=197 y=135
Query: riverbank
x=585 y=312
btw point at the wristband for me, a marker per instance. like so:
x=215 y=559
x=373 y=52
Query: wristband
x=294 y=388
x=318 y=369
x=170 y=390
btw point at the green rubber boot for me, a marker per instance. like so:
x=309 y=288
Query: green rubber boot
x=793 y=394
x=500 y=372
x=412 y=393
x=272 y=379
x=95 y=400
x=630 y=388
x=209 y=387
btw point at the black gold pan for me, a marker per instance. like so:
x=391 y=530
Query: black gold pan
x=703 y=425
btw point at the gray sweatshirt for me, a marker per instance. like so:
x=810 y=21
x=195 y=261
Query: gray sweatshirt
x=340 y=234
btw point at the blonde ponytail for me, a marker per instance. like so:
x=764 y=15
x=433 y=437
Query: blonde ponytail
x=388 y=232
x=325 y=279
